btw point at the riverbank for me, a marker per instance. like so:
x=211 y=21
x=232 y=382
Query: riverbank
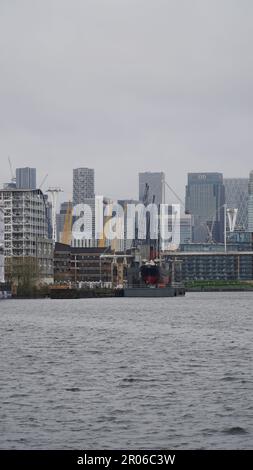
x=74 y=293
x=219 y=286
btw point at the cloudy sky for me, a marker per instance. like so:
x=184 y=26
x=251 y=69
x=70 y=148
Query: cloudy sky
x=124 y=86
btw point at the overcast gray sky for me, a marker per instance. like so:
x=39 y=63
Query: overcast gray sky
x=124 y=86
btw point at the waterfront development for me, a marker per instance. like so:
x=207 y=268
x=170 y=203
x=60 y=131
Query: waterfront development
x=127 y=373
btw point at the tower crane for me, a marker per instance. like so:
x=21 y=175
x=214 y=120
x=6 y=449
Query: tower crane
x=43 y=181
x=13 y=178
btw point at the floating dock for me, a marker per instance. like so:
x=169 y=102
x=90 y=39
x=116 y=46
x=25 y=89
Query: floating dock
x=5 y=291
x=153 y=292
x=125 y=292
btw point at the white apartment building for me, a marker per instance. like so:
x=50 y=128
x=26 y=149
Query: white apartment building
x=26 y=229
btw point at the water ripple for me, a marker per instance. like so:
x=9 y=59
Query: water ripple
x=127 y=373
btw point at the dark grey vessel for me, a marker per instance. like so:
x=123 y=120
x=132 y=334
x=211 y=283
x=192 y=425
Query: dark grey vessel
x=154 y=292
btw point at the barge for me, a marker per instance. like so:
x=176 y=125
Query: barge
x=5 y=291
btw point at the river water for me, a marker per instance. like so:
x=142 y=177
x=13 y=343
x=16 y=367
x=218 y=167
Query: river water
x=121 y=373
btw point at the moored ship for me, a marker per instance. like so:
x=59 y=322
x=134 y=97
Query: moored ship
x=156 y=279
x=150 y=273
x=154 y=274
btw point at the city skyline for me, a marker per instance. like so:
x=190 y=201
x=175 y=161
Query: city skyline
x=67 y=195
x=202 y=216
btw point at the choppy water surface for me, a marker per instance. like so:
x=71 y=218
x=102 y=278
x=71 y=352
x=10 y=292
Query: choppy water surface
x=127 y=373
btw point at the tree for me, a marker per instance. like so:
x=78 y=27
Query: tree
x=23 y=274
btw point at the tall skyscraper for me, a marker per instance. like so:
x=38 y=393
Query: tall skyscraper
x=205 y=199
x=26 y=178
x=250 y=203
x=236 y=195
x=84 y=193
x=83 y=185
x=155 y=182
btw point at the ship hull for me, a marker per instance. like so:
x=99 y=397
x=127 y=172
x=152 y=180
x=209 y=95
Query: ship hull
x=154 y=274
x=150 y=274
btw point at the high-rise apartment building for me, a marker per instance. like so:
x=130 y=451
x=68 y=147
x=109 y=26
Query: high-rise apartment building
x=152 y=185
x=26 y=229
x=250 y=203
x=26 y=178
x=84 y=193
x=83 y=185
x=236 y=195
x=205 y=200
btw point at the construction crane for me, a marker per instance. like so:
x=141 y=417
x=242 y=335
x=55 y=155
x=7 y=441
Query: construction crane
x=210 y=230
x=43 y=181
x=175 y=194
x=13 y=179
x=66 y=235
